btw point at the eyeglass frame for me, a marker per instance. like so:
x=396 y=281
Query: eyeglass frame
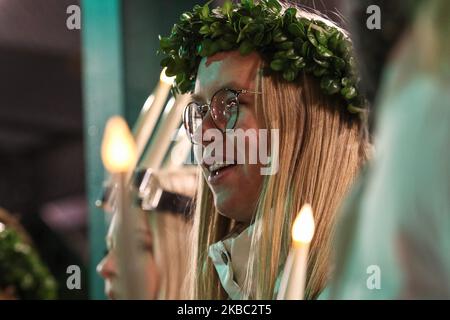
x=208 y=105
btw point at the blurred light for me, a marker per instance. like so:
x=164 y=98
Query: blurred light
x=164 y=78
x=118 y=146
x=303 y=228
x=169 y=105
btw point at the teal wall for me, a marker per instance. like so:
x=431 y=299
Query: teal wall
x=103 y=92
x=120 y=69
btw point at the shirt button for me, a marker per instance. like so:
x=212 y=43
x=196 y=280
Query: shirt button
x=224 y=257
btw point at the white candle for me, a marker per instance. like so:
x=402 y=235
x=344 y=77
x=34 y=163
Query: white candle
x=146 y=122
x=163 y=137
x=292 y=286
x=143 y=129
x=119 y=156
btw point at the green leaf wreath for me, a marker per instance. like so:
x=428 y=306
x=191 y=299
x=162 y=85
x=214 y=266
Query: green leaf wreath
x=288 y=43
x=22 y=269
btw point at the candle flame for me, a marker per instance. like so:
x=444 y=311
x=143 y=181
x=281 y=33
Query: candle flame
x=118 y=146
x=164 y=78
x=303 y=228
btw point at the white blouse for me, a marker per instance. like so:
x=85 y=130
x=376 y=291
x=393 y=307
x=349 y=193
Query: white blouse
x=230 y=257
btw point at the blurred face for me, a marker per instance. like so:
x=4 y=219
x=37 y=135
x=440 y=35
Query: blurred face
x=235 y=186
x=108 y=269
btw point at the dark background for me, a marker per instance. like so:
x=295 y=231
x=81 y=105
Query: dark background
x=42 y=159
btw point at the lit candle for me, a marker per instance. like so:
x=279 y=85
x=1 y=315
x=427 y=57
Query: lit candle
x=142 y=131
x=146 y=122
x=292 y=286
x=163 y=137
x=119 y=156
x=118 y=146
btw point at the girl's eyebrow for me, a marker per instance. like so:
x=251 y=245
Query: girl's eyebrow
x=230 y=85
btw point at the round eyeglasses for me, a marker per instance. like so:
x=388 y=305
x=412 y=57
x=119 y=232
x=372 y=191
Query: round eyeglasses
x=223 y=108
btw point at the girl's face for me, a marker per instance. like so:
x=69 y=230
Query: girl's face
x=236 y=187
x=108 y=269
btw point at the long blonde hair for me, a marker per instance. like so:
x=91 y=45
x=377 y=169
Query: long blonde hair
x=170 y=232
x=322 y=147
x=321 y=150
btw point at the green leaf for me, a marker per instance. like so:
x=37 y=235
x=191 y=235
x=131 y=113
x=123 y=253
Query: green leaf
x=185 y=86
x=215 y=47
x=330 y=85
x=349 y=92
x=180 y=77
x=252 y=27
x=273 y=4
x=246 y=47
x=291 y=54
x=305 y=49
x=353 y=109
x=243 y=21
x=344 y=48
x=247 y=4
x=285 y=45
x=165 y=43
x=217 y=29
x=322 y=63
x=258 y=38
x=205 y=11
x=298 y=43
x=204 y=30
x=230 y=37
x=335 y=39
x=312 y=38
x=299 y=63
x=267 y=39
x=351 y=64
x=291 y=12
x=171 y=70
x=225 y=45
x=217 y=34
x=345 y=82
x=166 y=61
x=277 y=65
x=257 y=10
x=241 y=36
x=304 y=23
x=319 y=71
x=296 y=30
x=214 y=26
x=289 y=75
x=321 y=37
x=278 y=36
x=338 y=63
x=197 y=9
x=186 y=16
x=323 y=51
x=280 y=55
x=205 y=48
x=227 y=8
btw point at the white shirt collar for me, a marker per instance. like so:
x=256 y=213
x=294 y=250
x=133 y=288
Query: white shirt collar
x=230 y=257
